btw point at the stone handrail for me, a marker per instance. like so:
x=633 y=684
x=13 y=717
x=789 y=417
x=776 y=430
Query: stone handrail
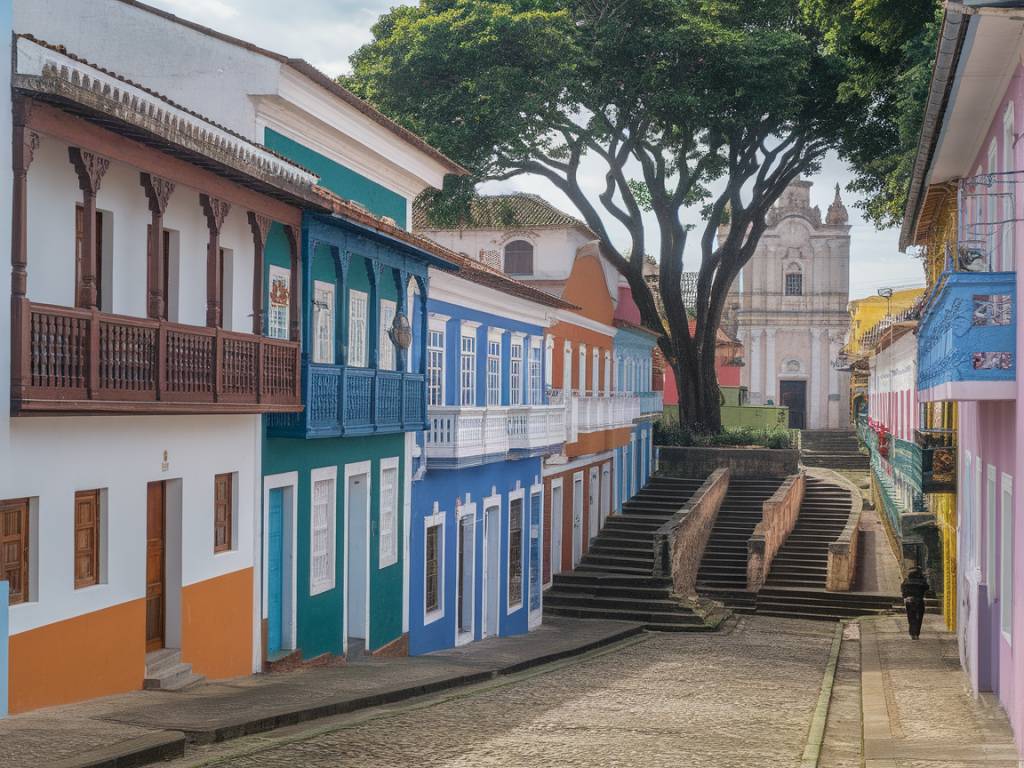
x=842 y=553
x=679 y=543
x=778 y=518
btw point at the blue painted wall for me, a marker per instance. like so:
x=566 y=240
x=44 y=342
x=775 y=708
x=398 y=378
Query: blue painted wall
x=341 y=180
x=444 y=487
x=453 y=350
x=4 y=629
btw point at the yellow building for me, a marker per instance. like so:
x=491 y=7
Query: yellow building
x=867 y=313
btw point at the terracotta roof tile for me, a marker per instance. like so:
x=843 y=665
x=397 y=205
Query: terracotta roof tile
x=506 y=212
x=481 y=274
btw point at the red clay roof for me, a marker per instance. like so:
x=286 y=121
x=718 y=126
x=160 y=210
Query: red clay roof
x=480 y=273
x=303 y=67
x=507 y=211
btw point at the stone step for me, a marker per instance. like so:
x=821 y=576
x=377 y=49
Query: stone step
x=614 y=603
x=583 y=576
x=166 y=672
x=661 y=618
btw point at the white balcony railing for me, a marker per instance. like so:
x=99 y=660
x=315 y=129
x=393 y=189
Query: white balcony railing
x=651 y=402
x=609 y=411
x=460 y=433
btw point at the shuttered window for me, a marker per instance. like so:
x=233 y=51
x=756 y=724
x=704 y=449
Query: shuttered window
x=515 y=553
x=14 y=541
x=432 y=584
x=324 y=505
x=222 y=511
x=87 y=538
x=387 y=347
x=357 y=328
x=323 y=322
x=389 y=515
x=515 y=374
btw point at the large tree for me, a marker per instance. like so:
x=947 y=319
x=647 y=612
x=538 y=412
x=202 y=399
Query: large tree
x=709 y=104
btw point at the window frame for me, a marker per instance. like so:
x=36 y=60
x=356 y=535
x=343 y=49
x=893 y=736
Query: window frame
x=991 y=526
x=358 y=343
x=279 y=315
x=467 y=365
x=324 y=322
x=535 y=371
x=95 y=533
x=435 y=367
x=522 y=253
x=435 y=521
x=793 y=283
x=1006 y=255
x=515 y=565
x=229 y=520
x=327 y=582
x=387 y=353
x=388 y=556
x=515 y=370
x=24 y=509
x=493 y=363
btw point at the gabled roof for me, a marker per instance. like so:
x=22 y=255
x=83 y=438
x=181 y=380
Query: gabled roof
x=509 y=211
x=306 y=69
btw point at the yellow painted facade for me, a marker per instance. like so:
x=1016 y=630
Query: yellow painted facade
x=866 y=313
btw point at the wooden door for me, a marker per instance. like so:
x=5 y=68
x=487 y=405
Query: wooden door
x=156 y=544
x=87 y=538
x=793 y=395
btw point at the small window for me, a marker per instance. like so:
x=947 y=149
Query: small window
x=515 y=374
x=87 y=538
x=321 y=530
x=794 y=284
x=223 y=511
x=279 y=311
x=435 y=367
x=467 y=371
x=357 y=328
x=14 y=548
x=432 y=582
x=323 y=322
x=519 y=258
x=389 y=513
x=493 y=373
x=515 y=553
x=79 y=235
x=387 y=347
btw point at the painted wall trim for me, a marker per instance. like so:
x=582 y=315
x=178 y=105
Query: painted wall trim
x=286 y=481
x=582 y=461
x=451 y=289
x=353 y=470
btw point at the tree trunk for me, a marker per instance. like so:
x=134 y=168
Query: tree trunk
x=699 y=398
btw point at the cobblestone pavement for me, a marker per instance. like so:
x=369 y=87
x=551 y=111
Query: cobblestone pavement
x=742 y=698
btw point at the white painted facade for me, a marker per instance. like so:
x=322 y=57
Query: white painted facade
x=795 y=336
x=233 y=83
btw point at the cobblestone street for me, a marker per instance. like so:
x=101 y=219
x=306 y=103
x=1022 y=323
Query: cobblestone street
x=744 y=698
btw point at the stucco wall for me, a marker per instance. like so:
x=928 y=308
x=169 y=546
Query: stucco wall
x=743 y=462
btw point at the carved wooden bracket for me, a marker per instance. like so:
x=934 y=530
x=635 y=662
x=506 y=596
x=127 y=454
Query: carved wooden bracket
x=90 y=168
x=260 y=225
x=216 y=211
x=158 y=192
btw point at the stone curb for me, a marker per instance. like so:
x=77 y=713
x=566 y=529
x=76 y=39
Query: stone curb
x=164 y=745
x=816 y=733
x=153 y=747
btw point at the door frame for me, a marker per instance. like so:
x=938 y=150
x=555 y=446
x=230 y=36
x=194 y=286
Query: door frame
x=537 y=487
x=556 y=526
x=492 y=527
x=288 y=482
x=593 y=503
x=805 y=414
x=163 y=575
x=606 y=492
x=462 y=512
x=577 y=477
x=352 y=470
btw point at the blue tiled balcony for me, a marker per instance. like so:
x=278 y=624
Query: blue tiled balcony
x=343 y=401
x=967 y=338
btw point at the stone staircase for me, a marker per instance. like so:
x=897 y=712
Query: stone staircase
x=723 y=568
x=614 y=580
x=832 y=449
x=795 y=587
x=166 y=672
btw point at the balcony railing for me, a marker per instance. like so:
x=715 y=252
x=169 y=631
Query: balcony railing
x=71 y=360
x=967 y=338
x=618 y=409
x=343 y=401
x=652 y=403
x=467 y=435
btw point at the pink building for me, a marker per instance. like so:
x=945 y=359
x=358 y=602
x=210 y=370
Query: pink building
x=964 y=208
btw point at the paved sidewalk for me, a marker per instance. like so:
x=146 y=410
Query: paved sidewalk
x=134 y=728
x=917 y=709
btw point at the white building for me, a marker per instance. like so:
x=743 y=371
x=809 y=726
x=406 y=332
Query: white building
x=788 y=310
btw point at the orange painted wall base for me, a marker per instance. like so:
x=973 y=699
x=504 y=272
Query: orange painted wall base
x=216 y=625
x=97 y=654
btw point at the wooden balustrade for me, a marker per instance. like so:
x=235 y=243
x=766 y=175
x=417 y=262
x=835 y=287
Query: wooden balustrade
x=77 y=360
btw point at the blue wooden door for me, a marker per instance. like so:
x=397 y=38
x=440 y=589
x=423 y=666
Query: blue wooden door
x=275 y=575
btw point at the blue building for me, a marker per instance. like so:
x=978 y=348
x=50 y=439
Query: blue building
x=476 y=539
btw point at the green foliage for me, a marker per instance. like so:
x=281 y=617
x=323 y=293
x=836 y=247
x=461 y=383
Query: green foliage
x=676 y=434
x=889 y=49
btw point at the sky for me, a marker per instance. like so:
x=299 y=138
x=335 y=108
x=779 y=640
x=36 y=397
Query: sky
x=326 y=32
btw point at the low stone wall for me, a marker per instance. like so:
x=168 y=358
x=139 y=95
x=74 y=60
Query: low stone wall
x=743 y=463
x=679 y=543
x=842 y=553
x=778 y=517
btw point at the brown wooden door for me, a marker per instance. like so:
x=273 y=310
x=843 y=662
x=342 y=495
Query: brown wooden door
x=156 y=603
x=87 y=538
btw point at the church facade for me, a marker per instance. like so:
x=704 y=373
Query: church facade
x=789 y=310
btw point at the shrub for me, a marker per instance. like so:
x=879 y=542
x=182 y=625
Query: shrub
x=677 y=435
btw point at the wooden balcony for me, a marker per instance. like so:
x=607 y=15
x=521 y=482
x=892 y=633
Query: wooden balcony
x=67 y=360
x=345 y=401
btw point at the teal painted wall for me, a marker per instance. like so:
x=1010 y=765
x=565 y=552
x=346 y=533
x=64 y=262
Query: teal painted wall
x=340 y=180
x=319 y=617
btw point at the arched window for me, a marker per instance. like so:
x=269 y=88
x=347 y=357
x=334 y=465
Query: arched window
x=519 y=258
